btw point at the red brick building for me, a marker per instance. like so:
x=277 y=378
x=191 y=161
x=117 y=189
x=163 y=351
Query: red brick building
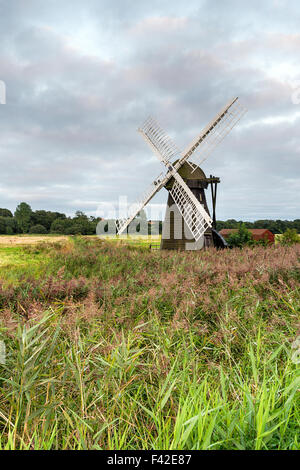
x=257 y=233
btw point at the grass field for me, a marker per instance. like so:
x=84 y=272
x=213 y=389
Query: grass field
x=112 y=346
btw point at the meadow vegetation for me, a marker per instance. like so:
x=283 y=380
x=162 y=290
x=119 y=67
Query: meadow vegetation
x=114 y=346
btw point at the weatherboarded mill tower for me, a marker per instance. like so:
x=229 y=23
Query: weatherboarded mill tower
x=176 y=234
x=188 y=224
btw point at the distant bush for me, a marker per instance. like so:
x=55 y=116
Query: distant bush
x=240 y=238
x=289 y=237
x=39 y=229
x=75 y=229
x=262 y=241
x=7 y=225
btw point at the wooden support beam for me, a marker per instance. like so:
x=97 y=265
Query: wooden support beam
x=213 y=185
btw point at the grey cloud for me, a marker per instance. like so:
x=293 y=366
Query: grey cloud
x=68 y=131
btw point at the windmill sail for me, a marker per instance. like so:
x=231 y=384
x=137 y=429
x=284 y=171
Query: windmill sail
x=133 y=211
x=161 y=143
x=193 y=213
x=214 y=133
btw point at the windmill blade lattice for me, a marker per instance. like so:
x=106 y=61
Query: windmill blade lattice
x=214 y=133
x=133 y=211
x=161 y=143
x=193 y=213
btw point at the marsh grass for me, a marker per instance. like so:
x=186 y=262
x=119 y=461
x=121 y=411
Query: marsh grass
x=116 y=347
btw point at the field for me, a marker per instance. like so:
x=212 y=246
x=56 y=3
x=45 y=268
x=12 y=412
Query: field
x=109 y=345
x=279 y=235
x=12 y=240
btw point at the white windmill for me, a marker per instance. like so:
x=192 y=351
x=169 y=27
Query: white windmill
x=191 y=207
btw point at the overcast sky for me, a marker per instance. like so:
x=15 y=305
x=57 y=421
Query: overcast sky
x=82 y=75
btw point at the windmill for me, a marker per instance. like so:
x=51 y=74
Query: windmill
x=188 y=224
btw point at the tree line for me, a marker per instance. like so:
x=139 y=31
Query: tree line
x=275 y=226
x=25 y=220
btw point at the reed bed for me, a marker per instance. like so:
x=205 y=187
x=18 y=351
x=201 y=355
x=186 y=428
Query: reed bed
x=119 y=347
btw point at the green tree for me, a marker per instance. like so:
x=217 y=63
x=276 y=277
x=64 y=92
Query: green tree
x=7 y=225
x=23 y=216
x=5 y=213
x=232 y=223
x=240 y=238
x=11 y=225
x=289 y=237
x=2 y=225
x=58 y=226
x=38 y=229
x=75 y=229
x=45 y=218
x=83 y=224
x=61 y=225
x=296 y=225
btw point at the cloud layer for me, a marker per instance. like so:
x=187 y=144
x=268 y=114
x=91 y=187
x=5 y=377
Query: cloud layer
x=82 y=76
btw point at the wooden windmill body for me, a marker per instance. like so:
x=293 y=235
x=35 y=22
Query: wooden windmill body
x=176 y=235
x=188 y=224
